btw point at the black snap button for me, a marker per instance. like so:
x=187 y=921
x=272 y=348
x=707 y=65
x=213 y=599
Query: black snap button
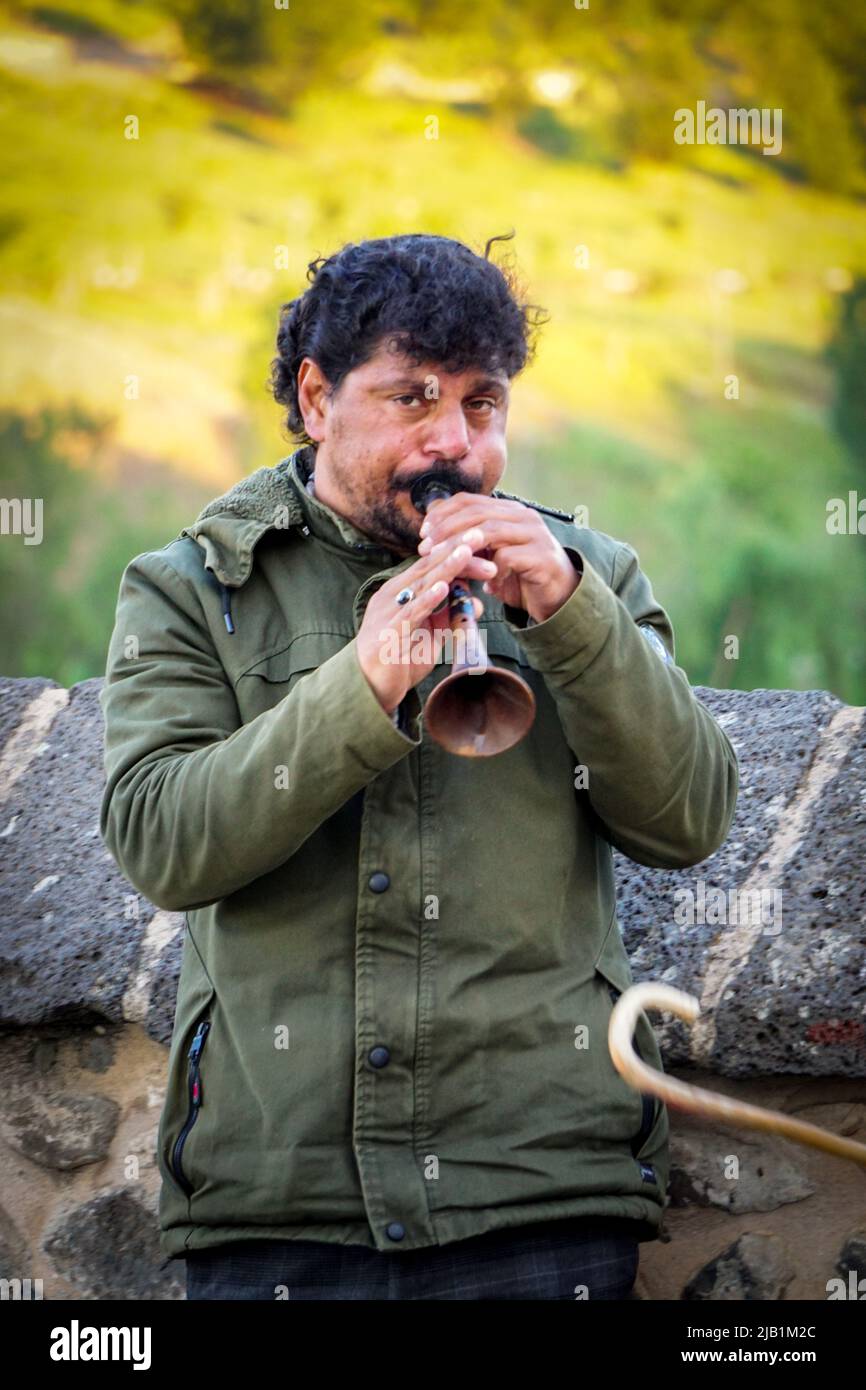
x=395 y=1231
x=379 y=882
x=378 y=1056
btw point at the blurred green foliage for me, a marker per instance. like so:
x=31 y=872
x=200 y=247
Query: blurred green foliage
x=59 y=595
x=269 y=136
x=847 y=352
x=793 y=54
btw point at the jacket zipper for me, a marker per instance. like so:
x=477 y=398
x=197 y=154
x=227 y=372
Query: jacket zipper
x=649 y=1107
x=194 y=1104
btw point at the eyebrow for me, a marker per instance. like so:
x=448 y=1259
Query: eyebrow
x=411 y=383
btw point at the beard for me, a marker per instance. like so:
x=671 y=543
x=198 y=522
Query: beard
x=380 y=516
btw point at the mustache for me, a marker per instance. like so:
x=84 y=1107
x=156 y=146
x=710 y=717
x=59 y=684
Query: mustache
x=448 y=473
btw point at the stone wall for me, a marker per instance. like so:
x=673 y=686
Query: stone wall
x=768 y=933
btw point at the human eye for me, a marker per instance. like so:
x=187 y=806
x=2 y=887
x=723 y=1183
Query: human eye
x=484 y=401
x=410 y=396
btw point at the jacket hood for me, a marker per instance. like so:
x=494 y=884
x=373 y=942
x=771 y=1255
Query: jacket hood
x=231 y=525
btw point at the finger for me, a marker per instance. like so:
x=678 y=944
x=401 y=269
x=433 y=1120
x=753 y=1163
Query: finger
x=426 y=567
x=427 y=601
x=432 y=601
x=482 y=565
x=526 y=563
x=492 y=530
x=499 y=582
x=431 y=578
x=434 y=595
x=481 y=502
x=440 y=562
x=472 y=536
x=493 y=533
x=460 y=563
x=434 y=580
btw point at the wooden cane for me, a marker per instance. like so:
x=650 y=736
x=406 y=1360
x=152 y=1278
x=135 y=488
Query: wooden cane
x=682 y=1096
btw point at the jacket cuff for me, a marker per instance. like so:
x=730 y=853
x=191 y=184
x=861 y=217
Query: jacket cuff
x=571 y=637
x=407 y=716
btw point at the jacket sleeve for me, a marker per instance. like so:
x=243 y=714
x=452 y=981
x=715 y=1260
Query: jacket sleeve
x=662 y=776
x=196 y=804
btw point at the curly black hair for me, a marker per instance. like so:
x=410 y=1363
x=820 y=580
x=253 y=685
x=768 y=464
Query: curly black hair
x=431 y=296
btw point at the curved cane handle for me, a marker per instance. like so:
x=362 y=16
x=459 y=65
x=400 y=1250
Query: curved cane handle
x=682 y=1096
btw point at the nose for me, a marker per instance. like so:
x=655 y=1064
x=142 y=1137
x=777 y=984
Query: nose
x=447 y=435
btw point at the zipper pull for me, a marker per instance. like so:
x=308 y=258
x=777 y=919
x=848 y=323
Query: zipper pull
x=194 y=1056
x=198 y=1041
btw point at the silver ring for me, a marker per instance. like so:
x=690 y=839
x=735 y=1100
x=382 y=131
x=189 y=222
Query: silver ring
x=405 y=596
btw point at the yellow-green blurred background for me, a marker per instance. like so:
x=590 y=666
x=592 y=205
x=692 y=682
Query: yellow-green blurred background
x=141 y=282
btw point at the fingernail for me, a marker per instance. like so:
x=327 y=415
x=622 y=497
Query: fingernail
x=472 y=534
x=425 y=527
x=425 y=545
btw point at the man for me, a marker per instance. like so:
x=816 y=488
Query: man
x=389 y=1074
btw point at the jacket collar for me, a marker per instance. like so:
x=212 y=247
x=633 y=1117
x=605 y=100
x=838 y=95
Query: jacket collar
x=329 y=525
x=229 y=527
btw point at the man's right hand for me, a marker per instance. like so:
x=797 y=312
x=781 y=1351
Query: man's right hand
x=388 y=653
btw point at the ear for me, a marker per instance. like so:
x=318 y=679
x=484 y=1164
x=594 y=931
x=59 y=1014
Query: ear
x=313 y=400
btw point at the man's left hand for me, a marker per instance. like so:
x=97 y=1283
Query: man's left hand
x=533 y=570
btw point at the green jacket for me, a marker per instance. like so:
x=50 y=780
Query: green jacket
x=399 y=964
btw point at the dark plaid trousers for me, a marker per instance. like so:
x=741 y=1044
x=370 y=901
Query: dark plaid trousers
x=587 y=1258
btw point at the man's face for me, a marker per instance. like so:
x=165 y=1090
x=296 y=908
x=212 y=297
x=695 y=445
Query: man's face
x=388 y=423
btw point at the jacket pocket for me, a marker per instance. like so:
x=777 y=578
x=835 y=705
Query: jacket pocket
x=613 y=967
x=271 y=678
x=194 y=1102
